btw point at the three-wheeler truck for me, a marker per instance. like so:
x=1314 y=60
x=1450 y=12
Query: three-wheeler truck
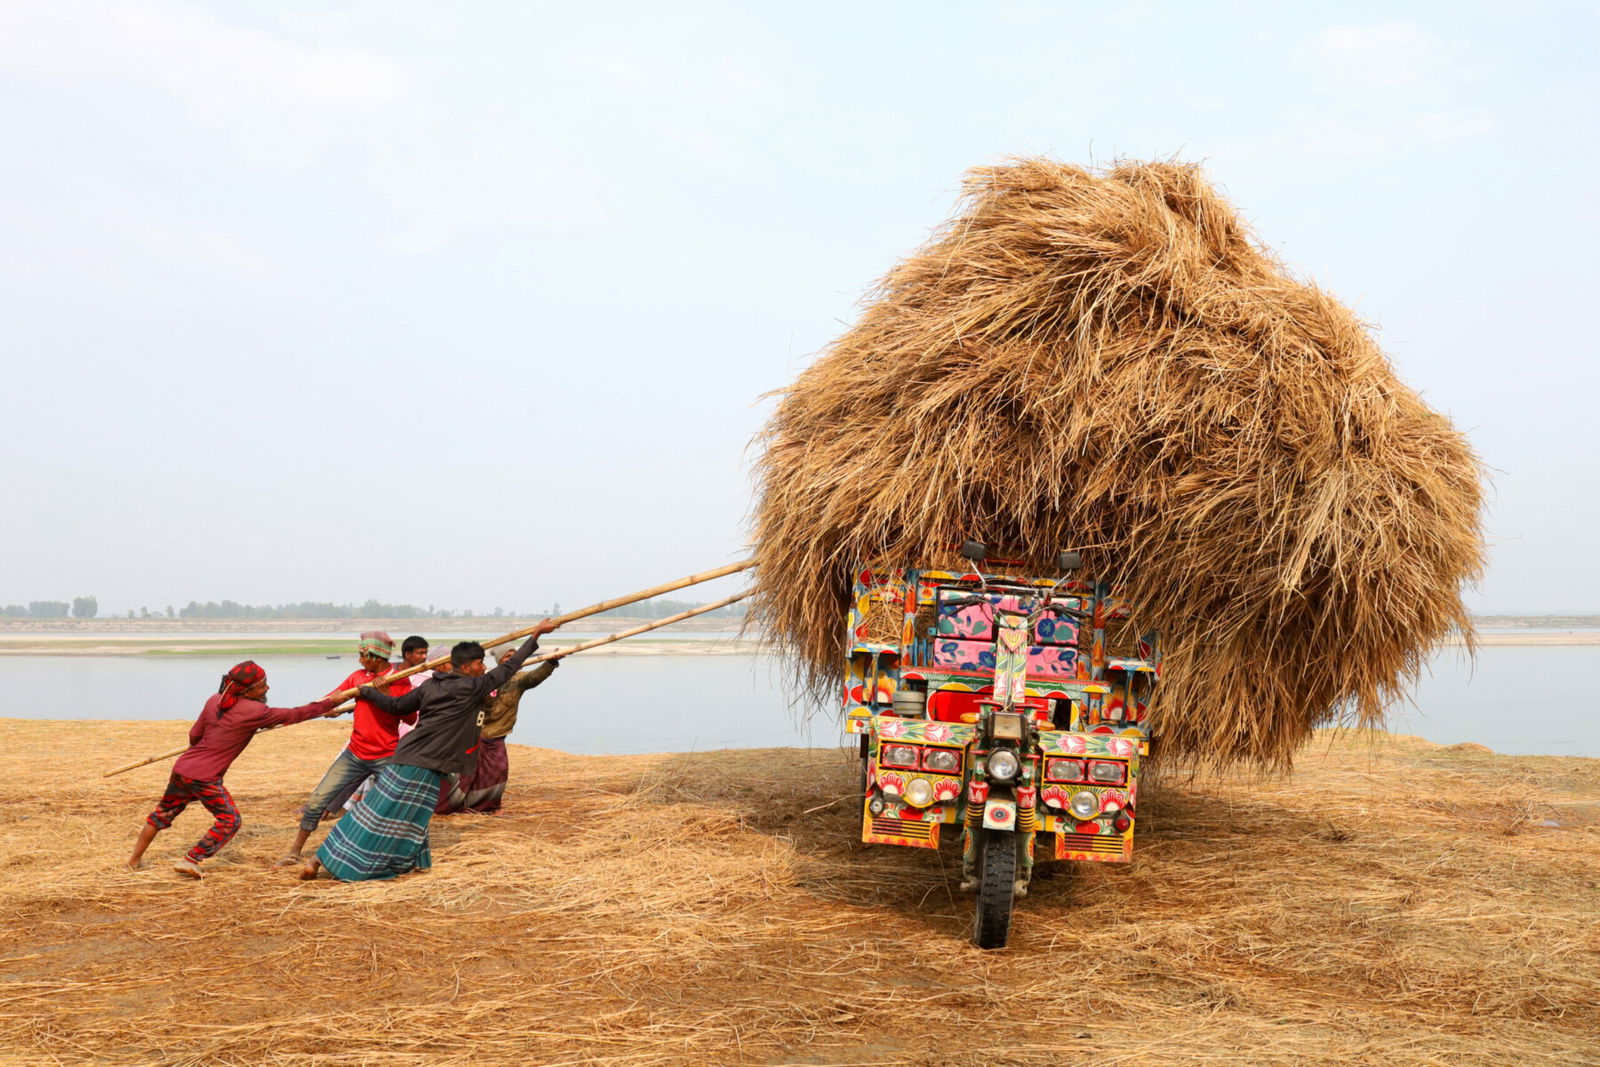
x=985 y=699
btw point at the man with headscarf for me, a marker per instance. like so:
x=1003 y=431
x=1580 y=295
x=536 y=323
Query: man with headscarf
x=373 y=736
x=413 y=653
x=227 y=723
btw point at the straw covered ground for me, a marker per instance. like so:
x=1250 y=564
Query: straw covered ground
x=1108 y=361
x=1386 y=904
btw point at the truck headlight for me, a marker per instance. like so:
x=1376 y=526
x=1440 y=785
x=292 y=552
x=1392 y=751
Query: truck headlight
x=945 y=760
x=899 y=756
x=1063 y=770
x=919 y=793
x=1002 y=765
x=1084 y=804
x=1109 y=771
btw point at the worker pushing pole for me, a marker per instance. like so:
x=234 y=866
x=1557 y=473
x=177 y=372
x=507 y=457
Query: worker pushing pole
x=571 y=616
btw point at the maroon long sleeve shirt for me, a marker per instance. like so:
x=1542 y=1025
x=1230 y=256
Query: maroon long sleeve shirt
x=215 y=741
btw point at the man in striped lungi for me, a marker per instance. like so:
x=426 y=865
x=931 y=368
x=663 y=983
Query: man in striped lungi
x=386 y=834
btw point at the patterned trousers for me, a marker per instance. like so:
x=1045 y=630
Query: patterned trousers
x=181 y=792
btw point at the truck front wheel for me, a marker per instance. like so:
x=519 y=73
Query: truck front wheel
x=997 y=886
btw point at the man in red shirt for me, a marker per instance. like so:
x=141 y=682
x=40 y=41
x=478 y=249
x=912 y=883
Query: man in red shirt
x=227 y=724
x=372 y=738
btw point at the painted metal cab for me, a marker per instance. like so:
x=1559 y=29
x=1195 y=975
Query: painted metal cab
x=989 y=702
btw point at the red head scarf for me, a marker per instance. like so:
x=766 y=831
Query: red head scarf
x=244 y=676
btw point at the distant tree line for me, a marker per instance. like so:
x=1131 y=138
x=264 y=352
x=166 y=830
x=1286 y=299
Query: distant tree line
x=87 y=607
x=83 y=607
x=308 y=609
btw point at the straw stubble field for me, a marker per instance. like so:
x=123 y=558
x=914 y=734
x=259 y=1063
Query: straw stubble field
x=1390 y=903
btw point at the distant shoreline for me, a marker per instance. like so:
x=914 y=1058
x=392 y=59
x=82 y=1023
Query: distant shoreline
x=155 y=627
x=667 y=643
x=477 y=624
x=711 y=644
x=1571 y=637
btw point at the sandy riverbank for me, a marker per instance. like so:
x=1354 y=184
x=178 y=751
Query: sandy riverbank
x=1392 y=902
x=1575 y=637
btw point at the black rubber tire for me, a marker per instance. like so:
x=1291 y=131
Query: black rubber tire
x=997 y=884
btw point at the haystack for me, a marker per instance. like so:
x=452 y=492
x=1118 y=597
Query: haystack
x=1110 y=362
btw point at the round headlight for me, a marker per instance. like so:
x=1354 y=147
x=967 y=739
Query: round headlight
x=876 y=805
x=1003 y=765
x=919 y=793
x=1084 y=804
x=942 y=759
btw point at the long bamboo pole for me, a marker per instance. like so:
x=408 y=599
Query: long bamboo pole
x=562 y=653
x=592 y=609
x=571 y=616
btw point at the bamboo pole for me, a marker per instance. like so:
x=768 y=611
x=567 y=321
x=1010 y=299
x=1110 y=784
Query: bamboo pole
x=562 y=653
x=571 y=616
x=592 y=609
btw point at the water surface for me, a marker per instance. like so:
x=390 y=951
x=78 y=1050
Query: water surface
x=620 y=704
x=1528 y=700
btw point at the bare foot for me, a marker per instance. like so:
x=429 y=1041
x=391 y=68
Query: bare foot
x=135 y=865
x=309 y=871
x=291 y=859
x=189 y=868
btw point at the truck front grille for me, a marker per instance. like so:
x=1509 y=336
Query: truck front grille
x=918 y=831
x=1108 y=844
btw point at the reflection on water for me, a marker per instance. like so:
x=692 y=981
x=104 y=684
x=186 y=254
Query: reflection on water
x=1518 y=700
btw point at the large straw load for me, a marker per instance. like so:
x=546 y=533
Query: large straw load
x=1109 y=362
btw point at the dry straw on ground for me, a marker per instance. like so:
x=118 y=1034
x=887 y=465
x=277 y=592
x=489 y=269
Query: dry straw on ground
x=1387 y=904
x=1109 y=362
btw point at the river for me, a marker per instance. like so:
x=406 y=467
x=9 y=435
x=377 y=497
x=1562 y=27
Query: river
x=1534 y=700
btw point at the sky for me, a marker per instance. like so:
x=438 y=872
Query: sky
x=479 y=304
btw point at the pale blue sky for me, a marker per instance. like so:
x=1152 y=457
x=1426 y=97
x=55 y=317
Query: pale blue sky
x=473 y=304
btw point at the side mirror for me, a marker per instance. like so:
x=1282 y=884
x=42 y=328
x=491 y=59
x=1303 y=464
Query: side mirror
x=976 y=551
x=1069 y=561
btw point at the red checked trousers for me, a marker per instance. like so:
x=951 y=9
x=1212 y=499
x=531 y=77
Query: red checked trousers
x=181 y=792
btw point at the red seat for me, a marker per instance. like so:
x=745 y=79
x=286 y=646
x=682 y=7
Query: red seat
x=946 y=705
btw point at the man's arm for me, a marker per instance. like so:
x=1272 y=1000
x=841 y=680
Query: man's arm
x=399 y=707
x=284 y=716
x=503 y=670
x=512 y=664
x=529 y=679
